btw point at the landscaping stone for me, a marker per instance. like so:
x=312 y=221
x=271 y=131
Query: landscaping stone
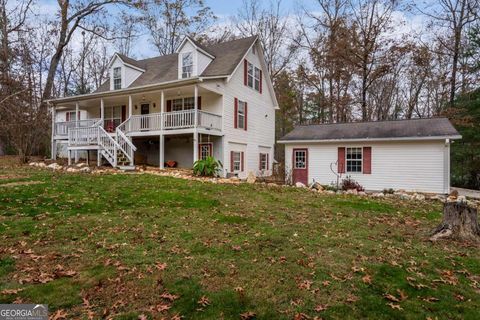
x=251 y=178
x=316 y=186
x=55 y=166
x=300 y=185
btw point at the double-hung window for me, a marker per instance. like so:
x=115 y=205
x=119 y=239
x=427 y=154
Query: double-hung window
x=354 y=160
x=177 y=104
x=71 y=116
x=253 y=76
x=183 y=104
x=112 y=118
x=263 y=161
x=241 y=114
x=117 y=78
x=237 y=161
x=187 y=65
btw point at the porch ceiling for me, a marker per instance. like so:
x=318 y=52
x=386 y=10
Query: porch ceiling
x=122 y=97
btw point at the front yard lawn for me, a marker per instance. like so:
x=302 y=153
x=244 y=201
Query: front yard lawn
x=143 y=246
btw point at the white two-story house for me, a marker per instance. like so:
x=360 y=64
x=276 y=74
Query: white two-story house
x=201 y=101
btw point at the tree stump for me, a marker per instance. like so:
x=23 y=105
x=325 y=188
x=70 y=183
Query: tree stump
x=459 y=222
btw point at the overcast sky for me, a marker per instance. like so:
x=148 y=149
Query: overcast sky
x=225 y=9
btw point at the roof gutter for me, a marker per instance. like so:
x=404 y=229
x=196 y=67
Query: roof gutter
x=110 y=93
x=454 y=137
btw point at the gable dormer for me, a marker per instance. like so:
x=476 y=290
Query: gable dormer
x=193 y=58
x=123 y=71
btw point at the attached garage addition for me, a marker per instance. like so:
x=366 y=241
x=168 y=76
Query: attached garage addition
x=411 y=155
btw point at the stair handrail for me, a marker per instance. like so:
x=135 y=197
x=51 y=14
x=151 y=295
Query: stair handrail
x=121 y=136
x=115 y=143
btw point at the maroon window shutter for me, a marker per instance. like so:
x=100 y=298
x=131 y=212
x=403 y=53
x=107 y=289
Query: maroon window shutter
x=231 y=161
x=246 y=116
x=169 y=105
x=241 y=161
x=261 y=76
x=78 y=116
x=235 y=114
x=199 y=103
x=67 y=116
x=124 y=113
x=259 y=161
x=341 y=160
x=245 y=72
x=268 y=161
x=367 y=160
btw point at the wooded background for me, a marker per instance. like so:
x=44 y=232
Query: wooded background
x=333 y=61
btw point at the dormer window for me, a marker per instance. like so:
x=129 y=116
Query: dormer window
x=187 y=64
x=117 y=78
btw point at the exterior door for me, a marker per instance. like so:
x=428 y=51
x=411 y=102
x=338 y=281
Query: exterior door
x=300 y=166
x=144 y=121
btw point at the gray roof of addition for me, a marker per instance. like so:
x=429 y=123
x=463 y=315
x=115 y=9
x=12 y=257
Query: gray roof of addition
x=394 y=129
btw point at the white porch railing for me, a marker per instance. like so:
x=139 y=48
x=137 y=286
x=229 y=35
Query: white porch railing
x=83 y=136
x=61 y=128
x=171 y=121
x=209 y=120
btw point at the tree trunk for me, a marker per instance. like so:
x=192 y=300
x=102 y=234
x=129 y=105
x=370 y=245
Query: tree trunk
x=459 y=222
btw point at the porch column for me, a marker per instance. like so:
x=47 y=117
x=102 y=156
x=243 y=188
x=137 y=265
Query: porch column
x=162 y=110
x=77 y=116
x=77 y=111
x=195 y=103
x=99 y=158
x=54 y=144
x=162 y=151
x=102 y=110
x=195 y=145
x=69 y=157
x=130 y=106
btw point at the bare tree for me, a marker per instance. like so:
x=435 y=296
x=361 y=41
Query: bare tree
x=453 y=16
x=371 y=19
x=168 y=21
x=73 y=16
x=274 y=31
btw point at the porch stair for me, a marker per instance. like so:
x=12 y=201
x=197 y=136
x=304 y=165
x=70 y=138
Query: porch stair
x=117 y=149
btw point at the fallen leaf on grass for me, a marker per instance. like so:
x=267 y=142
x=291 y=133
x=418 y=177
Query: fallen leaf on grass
x=169 y=296
x=203 y=301
x=59 y=314
x=301 y=316
x=391 y=297
x=394 y=306
x=142 y=317
x=430 y=299
x=305 y=284
x=321 y=307
x=161 y=266
x=10 y=291
x=367 y=279
x=247 y=315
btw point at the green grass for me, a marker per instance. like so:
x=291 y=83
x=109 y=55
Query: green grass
x=276 y=252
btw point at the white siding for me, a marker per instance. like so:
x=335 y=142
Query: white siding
x=129 y=75
x=412 y=166
x=260 y=133
x=200 y=60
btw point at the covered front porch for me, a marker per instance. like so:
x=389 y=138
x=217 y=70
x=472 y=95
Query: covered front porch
x=143 y=114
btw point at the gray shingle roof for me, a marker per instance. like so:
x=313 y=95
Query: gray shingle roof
x=414 y=128
x=165 y=68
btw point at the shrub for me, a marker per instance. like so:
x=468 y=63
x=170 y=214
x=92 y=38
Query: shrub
x=349 y=184
x=388 y=191
x=208 y=167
